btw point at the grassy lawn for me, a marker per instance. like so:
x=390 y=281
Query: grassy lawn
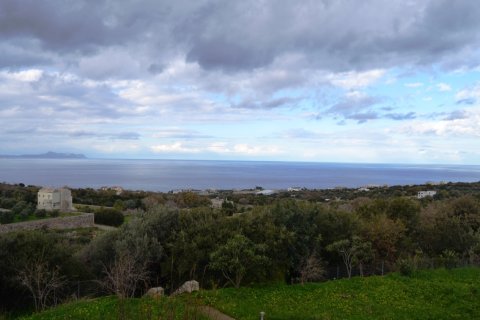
x=110 y=308
x=438 y=294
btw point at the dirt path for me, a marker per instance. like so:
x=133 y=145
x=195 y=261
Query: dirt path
x=214 y=314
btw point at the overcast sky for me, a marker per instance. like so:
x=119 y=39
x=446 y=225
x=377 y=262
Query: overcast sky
x=332 y=80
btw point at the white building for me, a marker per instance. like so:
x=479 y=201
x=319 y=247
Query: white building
x=428 y=193
x=55 y=199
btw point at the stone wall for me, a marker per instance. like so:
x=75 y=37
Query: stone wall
x=84 y=220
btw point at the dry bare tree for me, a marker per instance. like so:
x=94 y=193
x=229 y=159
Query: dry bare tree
x=312 y=270
x=42 y=281
x=125 y=276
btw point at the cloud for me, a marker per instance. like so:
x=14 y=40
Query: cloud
x=463 y=124
x=269 y=104
x=414 y=85
x=401 y=116
x=456 y=115
x=338 y=36
x=176 y=147
x=355 y=105
x=468 y=95
x=243 y=149
x=221 y=148
x=177 y=133
x=355 y=80
x=443 y=87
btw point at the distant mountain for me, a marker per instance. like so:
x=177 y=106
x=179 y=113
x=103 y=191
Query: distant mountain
x=48 y=155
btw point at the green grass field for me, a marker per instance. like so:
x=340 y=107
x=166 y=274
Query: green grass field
x=437 y=294
x=432 y=294
x=110 y=308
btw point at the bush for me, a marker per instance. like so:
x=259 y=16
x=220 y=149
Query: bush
x=54 y=213
x=24 y=215
x=406 y=267
x=449 y=259
x=40 y=213
x=109 y=217
x=19 y=207
x=6 y=217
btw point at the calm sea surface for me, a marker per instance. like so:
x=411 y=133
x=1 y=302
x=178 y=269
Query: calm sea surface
x=165 y=175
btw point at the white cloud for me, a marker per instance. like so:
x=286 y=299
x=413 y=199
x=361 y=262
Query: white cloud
x=354 y=80
x=243 y=149
x=30 y=75
x=443 y=87
x=468 y=126
x=176 y=147
x=414 y=85
x=472 y=93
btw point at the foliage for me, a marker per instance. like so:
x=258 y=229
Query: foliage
x=35 y=257
x=406 y=267
x=236 y=257
x=109 y=217
x=6 y=217
x=353 y=252
x=42 y=280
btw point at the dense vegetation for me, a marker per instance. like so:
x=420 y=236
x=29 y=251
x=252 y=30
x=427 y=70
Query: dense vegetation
x=290 y=237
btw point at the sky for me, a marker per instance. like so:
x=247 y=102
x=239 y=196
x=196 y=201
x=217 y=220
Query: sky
x=369 y=81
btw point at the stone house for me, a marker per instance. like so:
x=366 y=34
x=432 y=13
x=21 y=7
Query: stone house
x=55 y=199
x=424 y=194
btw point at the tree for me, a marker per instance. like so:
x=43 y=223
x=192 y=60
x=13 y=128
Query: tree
x=42 y=281
x=125 y=275
x=237 y=256
x=384 y=234
x=109 y=217
x=6 y=217
x=312 y=270
x=354 y=251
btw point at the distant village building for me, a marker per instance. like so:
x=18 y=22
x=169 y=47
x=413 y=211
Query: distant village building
x=118 y=190
x=294 y=189
x=363 y=189
x=217 y=202
x=428 y=193
x=55 y=199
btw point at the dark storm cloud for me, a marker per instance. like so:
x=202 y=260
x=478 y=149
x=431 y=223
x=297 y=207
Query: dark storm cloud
x=59 y=25
x=333 y=35
x=243 y=35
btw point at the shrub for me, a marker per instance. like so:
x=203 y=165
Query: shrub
x=24 y=215
x=406 y=267
x=54 y=213
x=449 y=259
x=6 y=217
x=40 y=213
x=109 y=217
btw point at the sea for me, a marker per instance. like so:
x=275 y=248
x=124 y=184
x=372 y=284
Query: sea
x=168 y=175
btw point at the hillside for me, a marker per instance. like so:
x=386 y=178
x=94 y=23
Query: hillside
x=433 y=294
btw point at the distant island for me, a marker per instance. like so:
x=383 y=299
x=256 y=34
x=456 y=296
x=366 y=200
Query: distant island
x=47 y=155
